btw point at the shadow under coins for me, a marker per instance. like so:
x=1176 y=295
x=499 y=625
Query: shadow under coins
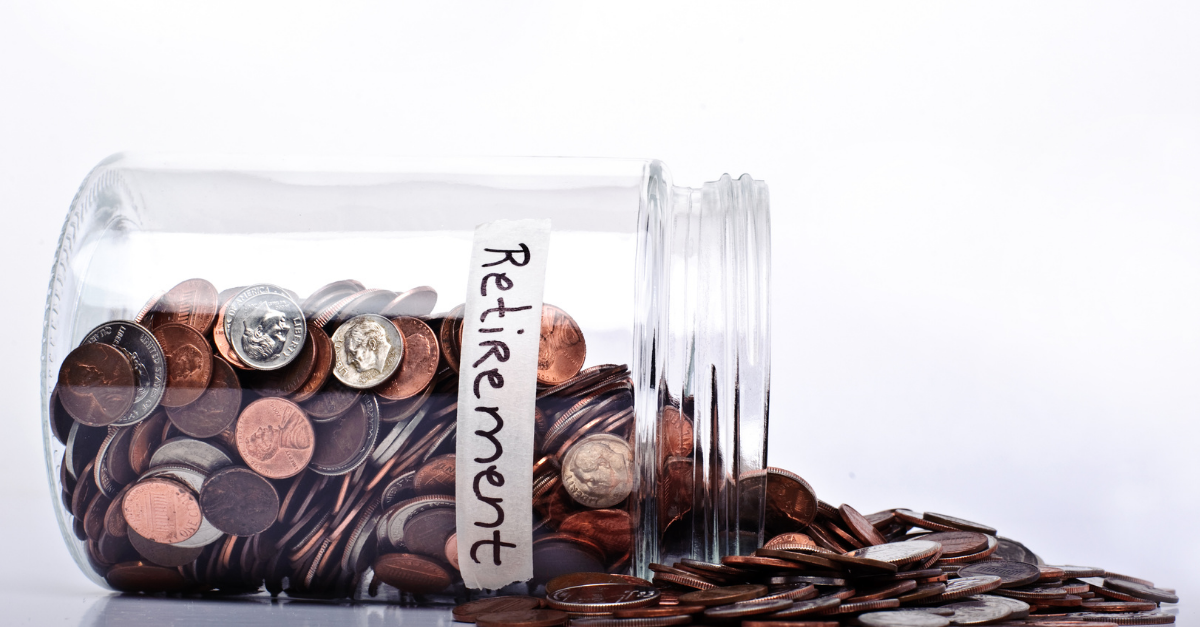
x=118 y=610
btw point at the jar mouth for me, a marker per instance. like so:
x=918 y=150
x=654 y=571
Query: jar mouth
x=705 y=289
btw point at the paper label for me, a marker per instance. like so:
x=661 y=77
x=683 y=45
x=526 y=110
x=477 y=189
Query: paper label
x=497 y=385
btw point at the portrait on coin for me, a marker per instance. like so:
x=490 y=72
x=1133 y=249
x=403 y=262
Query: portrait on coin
x=268 y=439
x=556 y=336
x=264 y=332
x=367 y=346
x=600 y=467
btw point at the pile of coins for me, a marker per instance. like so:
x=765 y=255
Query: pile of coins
x=236 y=440
x=827 y=566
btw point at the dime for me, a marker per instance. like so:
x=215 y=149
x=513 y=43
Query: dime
x=468 y=612
x=1132 y=618
x=96 y=384
x=189 y=363
x=598 y=471
x=366 y=351
x=978 y=612
x=968 y=586
x=899 y=553
x=522 y=618
x=329 y=294
x=561 y=350
x=198 y=454
x=112 y=468
x=162 y=510
x=239 y=502
x=149 y=364
x=1011 y=574
x=275 y=438
x=435 y=476
x=192 y=303
x=1080 y=571
x=418 y=364
x=419 y=301
x=265 y=327
x=902 y=619
x=958 y=523
x=411 y=573
x=344 y=443
x=1020 y=609
x=612 y=529
x=602 y=597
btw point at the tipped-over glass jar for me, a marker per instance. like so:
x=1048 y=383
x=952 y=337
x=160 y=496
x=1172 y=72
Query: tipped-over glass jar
x=252 y=373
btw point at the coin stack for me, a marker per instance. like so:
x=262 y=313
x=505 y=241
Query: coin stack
x=827 y=566
x=248 y=438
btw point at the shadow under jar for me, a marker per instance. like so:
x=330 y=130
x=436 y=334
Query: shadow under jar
x=202 y=433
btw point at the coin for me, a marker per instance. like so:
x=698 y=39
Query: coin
x=602 y=597
x=198 y=454
x=522 y=618
x=790 y=501
x=149 y=365
x=217 y=407
x=265 y=327
x=239 y=501
x=598 y=471
x=468 y=612
x=958 y=523
x=612 y=529
x=559 y=554
x=723 y=595
x=675 y=433
x=1011 y=574
x=1140 y=590
x=435 y=476
x=979 y=612
x=192 y=303
x=658 y=611
x=189 y=363
x=860 y=527
x=418 y=364
x=898 y=553
x=162 y=510
x=958 y=542
x=418 y=301
x=143 y=577
x=96 y=384
x=344 y=443
x=967 y=586
x=112 y=468
x=411 y=573
x=367 y=349
x=333 y=400
x=561 y=349
x=275 y=438
x=902 y=619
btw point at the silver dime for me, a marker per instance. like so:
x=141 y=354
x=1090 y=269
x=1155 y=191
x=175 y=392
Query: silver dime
x=978 y=612
x=1020 y=608
x=148 y=362
x=366 y=351
x=184 y=451
x=395 y=440
x=902 y=619
x=399 y=489
x=265 y=326
x=391 y=525
x=369 y=406
x=112 y=469
x=598 y=471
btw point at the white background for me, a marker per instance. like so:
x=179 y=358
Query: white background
x=986 y=218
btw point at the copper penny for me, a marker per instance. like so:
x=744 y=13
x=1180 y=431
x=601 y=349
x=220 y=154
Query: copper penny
x=789 y=497
x=451 y=550
x=147 y=436
x=192 y=303
x=143 y=577
x=860 y=526
x=675 y=433
x=411 y=573
x=450 y=336
x=426 y=532
x=612 y=529
x=807 y=559
x=418 y=364
x=792 y=538
x=723 y=595
x=322 y=365
x=96 y=384
x=436 y=476
x=162 y=510
x=275 y=438
x=958 y=542
x=217 y=407
x=220 y=340
x=189 y=363
x=467 y=612
x=522 y=618
x=958 y=523
x=60 y=420
x=561 y=350
x=658 y=611
x=580 y=579
x=238 y=501
x=560 y=554
x=1140 y=590
x=886 y=591
x=288 y=380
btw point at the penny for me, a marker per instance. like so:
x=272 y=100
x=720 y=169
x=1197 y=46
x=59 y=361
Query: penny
x=344 y=443
x=899 y=553
x=275 y=438
x=797 y=592
x=192 y=303
x=163 y=554
x=96 y=384
x=146 y=313
x=162 y=510
x=149 y=365
x=239 y=501
x=602 y=597
x=1140 y=590
x=142 y=577
x=958 y=542
x=978 y=612
x=145 y=439
x=612 y=529
x=93 y=515
x=598 y=471
x=915 y=519
x=1014 y=551
x=419 y=301
x=1132 y=618
x=743 y=609
x=411 y=573
x=85 y=490
x=320 y=368
x=435 y=476
x=60 y=421
x=216 y=409
x=366 y=351
x=559 y=554
x=265 y=327
x=468 y=612
x=860 y=526
x=885 y=591
x=790 y=501
x=426 y=532
x=723 y=595
x=1033 y=593
x=450 y=551
x=923 y=591
x=902 y=619
x=418 y=364
x=450 y=336
x=288 y=380
x=333 y=400
x=958 y=523
x=561 y=349
x=1011 y=574
x=802 y=558
x=522 y=618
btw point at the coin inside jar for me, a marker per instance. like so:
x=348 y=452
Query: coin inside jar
x=561 y=349
x=264 y=326
x=345 y=442
x=239 y=501
x=275 y=438
x=146 y=357
x=418 y=364
x=217 y=407
x=96 y=384
x=162 y=510
x=192 y=303
x=436 y=476
x=411 y=573
x=598 y=471
x=367 y=349
x=189 y=363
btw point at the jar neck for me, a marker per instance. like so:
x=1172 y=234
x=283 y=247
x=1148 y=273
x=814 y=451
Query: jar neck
x=708 y=277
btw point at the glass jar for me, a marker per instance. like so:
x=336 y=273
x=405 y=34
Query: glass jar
x=667 y=285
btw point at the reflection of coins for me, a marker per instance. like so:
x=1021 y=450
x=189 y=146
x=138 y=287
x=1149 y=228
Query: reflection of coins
x=146 y=356
x=598 y=471
x=95 y=384
x=275 y=438
x=264 y=326
x=189 y=363
x=366 y=351
x=162 y=510
x=561 y=350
